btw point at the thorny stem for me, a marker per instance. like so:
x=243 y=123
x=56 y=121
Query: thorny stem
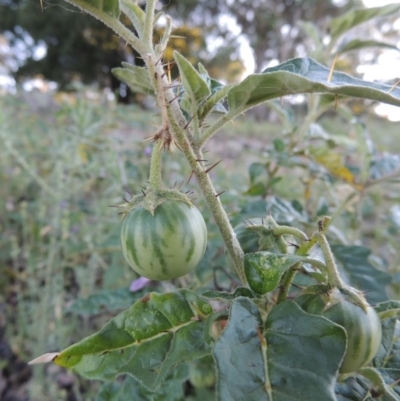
x=175 y=122
x=212 y=201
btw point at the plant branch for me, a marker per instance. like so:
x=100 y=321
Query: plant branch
x=334 y=278
x=112 y=22
x=155 y=166
x=213 y=202
x=213 y=128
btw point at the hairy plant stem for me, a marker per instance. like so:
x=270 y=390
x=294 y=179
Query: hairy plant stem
x=334 y=278
x=155 y=166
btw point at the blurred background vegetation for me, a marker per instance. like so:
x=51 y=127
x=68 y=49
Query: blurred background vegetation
x=70 y=150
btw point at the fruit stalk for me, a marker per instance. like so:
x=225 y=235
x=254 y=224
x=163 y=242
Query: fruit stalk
x=155 y=166
x=334 y=278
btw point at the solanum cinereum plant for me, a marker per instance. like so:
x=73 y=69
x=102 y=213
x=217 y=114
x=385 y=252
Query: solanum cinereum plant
x=277 y=342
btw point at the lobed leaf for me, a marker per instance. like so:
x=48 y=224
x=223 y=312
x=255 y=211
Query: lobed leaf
x=304 y=75
x=156 y=334
x=297 y=361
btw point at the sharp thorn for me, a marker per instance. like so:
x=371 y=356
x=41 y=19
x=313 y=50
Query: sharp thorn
x=159 y=59
x=175 y=184
x=292 y=244
x=190 y=177
x=181 y=184
x=214 y=165
x=144 y=193
x=220 y=193
x=194 y=115
x=172 y=86
x=297 y=286
x=176 y=97
x=201 y=160
x=169 y=65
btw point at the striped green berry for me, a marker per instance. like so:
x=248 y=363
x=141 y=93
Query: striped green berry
x=166 y=242
x=359 y=319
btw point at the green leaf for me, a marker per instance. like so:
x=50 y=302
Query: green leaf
x=258 y=172
x=388 y=309
x=355 y=17
x=387 y=360
x=195 y=86
x=130 y=389
x=110 y=300
x=137 y=78
x=109 y=7
x=134 y=13
x=376 y=378
x=304 y=75
x=353 y=389
x=264 y=270
x=157 y=333
x=357 y=44
x=218 y=90
x=282 y=210
x=213 y=103
x=363 y=275
x=298 y=360
x=238 y=356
